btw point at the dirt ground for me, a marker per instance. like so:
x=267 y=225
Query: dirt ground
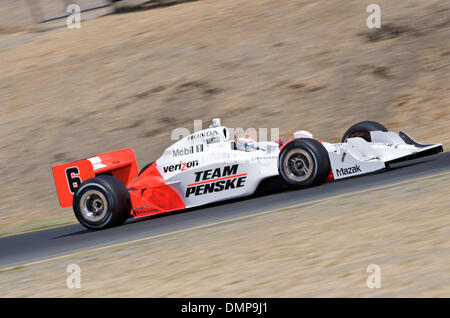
x=129 y=79
x=319 y=249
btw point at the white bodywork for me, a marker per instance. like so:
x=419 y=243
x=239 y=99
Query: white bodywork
x=357 y=156
x=205 y=167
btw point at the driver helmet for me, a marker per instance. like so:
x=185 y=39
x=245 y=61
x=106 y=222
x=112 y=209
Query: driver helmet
x=246 y=143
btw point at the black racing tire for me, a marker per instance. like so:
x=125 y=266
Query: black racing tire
x=102 y=202
x=304 y=162
x=145 y=167
x=363 y=129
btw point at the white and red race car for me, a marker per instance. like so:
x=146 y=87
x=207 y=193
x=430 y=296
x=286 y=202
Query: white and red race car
x=209 y=166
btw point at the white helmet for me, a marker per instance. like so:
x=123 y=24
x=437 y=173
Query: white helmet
x=215 y=123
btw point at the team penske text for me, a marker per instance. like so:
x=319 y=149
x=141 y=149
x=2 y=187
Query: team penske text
x=216 y=180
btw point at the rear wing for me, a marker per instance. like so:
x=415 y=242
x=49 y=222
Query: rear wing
x=68 y=177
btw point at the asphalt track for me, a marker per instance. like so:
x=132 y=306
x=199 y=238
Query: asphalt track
x=45 y=244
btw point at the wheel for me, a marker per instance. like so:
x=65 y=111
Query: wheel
x=304 y=163
x=363 y=129
x=102 y=202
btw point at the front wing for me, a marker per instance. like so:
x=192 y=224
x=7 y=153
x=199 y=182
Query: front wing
x=357 y=156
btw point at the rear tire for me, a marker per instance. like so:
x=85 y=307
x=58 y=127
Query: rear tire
x=102 y=202
x=304 y=163
x=363 y=129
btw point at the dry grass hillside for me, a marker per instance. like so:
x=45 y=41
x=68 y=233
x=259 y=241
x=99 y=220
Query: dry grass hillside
x=127 y=80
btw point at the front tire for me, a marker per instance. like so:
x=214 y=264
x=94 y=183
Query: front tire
x=304 y=163
x=362 y=130
x=102 y=202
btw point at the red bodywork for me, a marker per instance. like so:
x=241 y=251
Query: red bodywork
x=149 y=193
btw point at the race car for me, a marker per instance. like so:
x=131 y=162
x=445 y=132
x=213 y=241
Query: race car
x=209 y=166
